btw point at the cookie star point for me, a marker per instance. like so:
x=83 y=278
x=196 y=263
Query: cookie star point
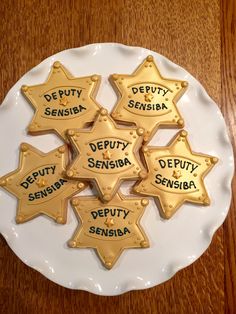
x=149 y=58
x=56 y=65
x=3 y=183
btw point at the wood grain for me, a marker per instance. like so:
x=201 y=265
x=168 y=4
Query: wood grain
x=198 y=35
x=228 y=102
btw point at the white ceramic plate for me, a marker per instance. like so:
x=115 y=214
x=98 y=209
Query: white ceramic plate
x=175 y=243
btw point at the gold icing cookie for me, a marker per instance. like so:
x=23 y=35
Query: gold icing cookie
x=147 y=99
x=109 y=228
x=39 y=185
x=62 y=102
x=175 y=175
x=107 y=154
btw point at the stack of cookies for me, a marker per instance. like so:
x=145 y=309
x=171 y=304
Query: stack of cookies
x=101 y=151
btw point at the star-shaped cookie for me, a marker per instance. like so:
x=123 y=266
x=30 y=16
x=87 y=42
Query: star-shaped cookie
x=109 y=228
x=175 y=175
x=39 y=184
x=147 y=99
x=62 y=102
x=107 y=155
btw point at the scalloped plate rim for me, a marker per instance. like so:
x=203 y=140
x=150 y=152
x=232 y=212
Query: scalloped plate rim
x=134 y=284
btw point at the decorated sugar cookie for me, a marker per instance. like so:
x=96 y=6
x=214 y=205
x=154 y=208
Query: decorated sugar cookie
x=107 y=155
x=175 y=175
x=62 y=102
x=109 y=228
x=39 y=184
x=147 y=99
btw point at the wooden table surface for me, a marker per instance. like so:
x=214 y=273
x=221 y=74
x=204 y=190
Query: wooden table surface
x=198 y=35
